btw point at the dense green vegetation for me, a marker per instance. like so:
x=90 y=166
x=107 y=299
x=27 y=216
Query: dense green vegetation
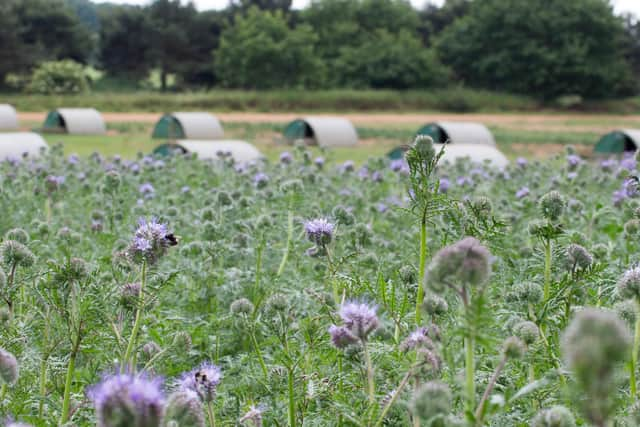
x=306 y=291
x=569 y=49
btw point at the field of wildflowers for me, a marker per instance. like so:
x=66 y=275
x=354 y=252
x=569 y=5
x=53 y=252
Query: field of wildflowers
x=305 y=292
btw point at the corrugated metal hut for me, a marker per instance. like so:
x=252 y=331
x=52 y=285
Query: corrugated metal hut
x=75 y=121
x=476 y=153
x=20 y=144
x=322 y=131
x=240 y=151
x=618 y=141
x=8 y=118
x=192 y=125
x=458 y=133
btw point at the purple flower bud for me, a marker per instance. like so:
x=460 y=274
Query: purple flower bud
x=523 y=192
x=138 y=398
x=444 y=185
x=147 y=189
x=319 y=231
x=573 y=160
x=341 y=337
x=203 y=380
x=522 y=162
x=363 y=172
x=359 y=318
x=260 y=179
x=347 y=166
x=286 y=157
x=73 y=159
x=150 y=242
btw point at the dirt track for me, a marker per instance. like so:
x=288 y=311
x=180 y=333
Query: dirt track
x=574 y=122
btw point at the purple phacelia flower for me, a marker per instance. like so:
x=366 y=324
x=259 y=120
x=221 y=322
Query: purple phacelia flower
x=254 y=415
x=523 y=192
x=12 y=160
x=147 y=160
x=53 y=182
x=348 y=166
x=608 y=165
x=286 y=157
x=619 y=196
x=260 y=180
x=159 y=164
x=150 y=242
x=363 y=172
x=341 y=337
x=572 y=175
x=319 y=231
x=381 y=207
x=134 y=167
x=203 y=380
x=476 y=172
x=319 y=162
x=628 y=163
x=464 y=181
x=418 y=338
x=522 y=162
x=359 y=318
x=376 y=176
x=444 y=185
x=137 y=397
x=185 y=189
x=573 y=160
x=147 y=189
x=399 y=165
x=73 y=159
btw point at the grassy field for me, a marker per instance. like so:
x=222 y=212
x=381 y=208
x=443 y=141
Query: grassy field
x=449 y=99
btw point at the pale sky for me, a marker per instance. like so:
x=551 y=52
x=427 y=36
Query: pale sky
x=632 y=6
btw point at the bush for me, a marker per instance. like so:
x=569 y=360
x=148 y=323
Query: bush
x=59 y=77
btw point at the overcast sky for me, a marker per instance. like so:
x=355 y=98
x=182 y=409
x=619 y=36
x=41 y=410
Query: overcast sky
x=620 y=5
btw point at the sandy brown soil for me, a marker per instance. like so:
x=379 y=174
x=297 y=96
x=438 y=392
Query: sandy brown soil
x=579 y=122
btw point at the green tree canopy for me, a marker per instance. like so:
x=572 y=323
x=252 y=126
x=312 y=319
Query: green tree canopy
x=372 y=43
x=34 y=31
x=260 y=51
x=543 y=47
x=125 y=48
x=386 y=60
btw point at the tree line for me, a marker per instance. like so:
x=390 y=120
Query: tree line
x=543 y=48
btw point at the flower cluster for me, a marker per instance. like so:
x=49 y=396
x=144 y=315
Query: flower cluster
x=359 y=321
x=150 y=242
x=126 y=399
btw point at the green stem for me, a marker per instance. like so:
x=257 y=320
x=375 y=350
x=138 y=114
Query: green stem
x=43 y=367
x=67 y=387
x=470 y=373
x=259 y=354
x=137 y=322
x=340 y=385
x=47 y=209
x=547 y=271
x=3 y=391
x=292 y=399
x=258 y=267
x=370 y=379
x=288 y=247
x=479 y=414
x=422 y=265
x=211 y=414
x=634 y=359
x=394 y=397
